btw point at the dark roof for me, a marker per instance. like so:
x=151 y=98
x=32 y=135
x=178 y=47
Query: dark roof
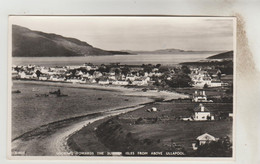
x=198 y=108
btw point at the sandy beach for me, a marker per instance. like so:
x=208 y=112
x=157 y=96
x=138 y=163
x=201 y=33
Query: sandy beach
x=166 y=95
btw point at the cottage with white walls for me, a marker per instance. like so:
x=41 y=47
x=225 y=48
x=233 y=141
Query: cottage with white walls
x=203 y=139
x=22 y=75
x=201 y=113
x=120 y=82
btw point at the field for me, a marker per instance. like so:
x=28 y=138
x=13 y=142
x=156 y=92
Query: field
x=31 y=108
x=141 y=130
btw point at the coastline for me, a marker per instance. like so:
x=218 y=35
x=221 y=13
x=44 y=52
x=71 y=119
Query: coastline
x=56 y=141
x=166 y=95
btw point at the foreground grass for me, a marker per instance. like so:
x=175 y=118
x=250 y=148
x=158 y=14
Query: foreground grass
x=151 y=131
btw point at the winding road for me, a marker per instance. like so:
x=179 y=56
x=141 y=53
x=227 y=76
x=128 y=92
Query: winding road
x=55 y=144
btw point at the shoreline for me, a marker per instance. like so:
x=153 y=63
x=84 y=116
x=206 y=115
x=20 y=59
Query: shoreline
x=56 y=142
x=131 y=91
x=58 y=132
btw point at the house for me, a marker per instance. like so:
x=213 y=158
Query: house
x=215 y=83
x=199 y=96
x=201 y=113
x=79 y=73
x=92 y=80
x=97 y=74
x=43 y=78
x=203 y=139
x=130 y=77
x=22 y=75
x=103 y=81
x=112 y=77
x=73 y=80
x=83 y=81
x=139 y=82
x=120 y=82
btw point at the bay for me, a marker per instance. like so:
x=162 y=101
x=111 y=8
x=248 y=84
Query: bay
x=164 y=59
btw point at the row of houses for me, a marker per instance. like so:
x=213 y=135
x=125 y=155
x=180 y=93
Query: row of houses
x=60 y=75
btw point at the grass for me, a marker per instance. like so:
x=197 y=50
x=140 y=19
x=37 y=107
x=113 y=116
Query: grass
x=123 y=133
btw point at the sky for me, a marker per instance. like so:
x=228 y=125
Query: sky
x=138 y=33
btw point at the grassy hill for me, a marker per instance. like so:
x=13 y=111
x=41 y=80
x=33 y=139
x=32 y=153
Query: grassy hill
x=28 y=43
x=224 y=55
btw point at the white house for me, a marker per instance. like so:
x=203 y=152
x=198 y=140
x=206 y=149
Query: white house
x=97 y=74
x=43 y=78
x=120 y=82
x=92 y=80
x=22 y=75
x=202 y=114
x=103 y=81
x=130 y=77
x=215 y=83
x=205 y=138
x=199 y=96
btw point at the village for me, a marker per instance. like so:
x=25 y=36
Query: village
x=116 y=74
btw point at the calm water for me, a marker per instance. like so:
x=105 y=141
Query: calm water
x=165 y=59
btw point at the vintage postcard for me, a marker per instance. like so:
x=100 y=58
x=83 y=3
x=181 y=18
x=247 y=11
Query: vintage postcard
x=122 y=86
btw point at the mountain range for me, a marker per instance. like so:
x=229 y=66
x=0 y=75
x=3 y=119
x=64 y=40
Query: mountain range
x=171 y=51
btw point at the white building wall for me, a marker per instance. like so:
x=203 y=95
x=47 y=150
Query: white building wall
x=201 y=116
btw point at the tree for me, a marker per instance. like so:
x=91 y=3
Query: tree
x=179 y=80
x=163 y=69
x=158 y=65
x=205 y=86
x=148 y=68
x=185 y=69
x=117 y=71
x=38 y=73
x=125 y=70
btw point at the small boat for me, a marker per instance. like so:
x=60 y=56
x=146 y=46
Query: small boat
x=62 y=95
x=35 y=90
x=17 y=91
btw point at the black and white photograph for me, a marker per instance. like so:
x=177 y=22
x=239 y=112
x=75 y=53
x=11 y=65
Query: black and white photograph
x=122 y=86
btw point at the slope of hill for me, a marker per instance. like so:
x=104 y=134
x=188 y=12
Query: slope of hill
x=28 y=43
x=224 y=55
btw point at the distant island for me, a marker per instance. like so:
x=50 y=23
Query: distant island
x=171 y=51
x=29 y=43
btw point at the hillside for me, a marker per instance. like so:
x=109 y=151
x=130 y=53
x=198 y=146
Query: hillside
x=224 y=55
x=28 y=43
